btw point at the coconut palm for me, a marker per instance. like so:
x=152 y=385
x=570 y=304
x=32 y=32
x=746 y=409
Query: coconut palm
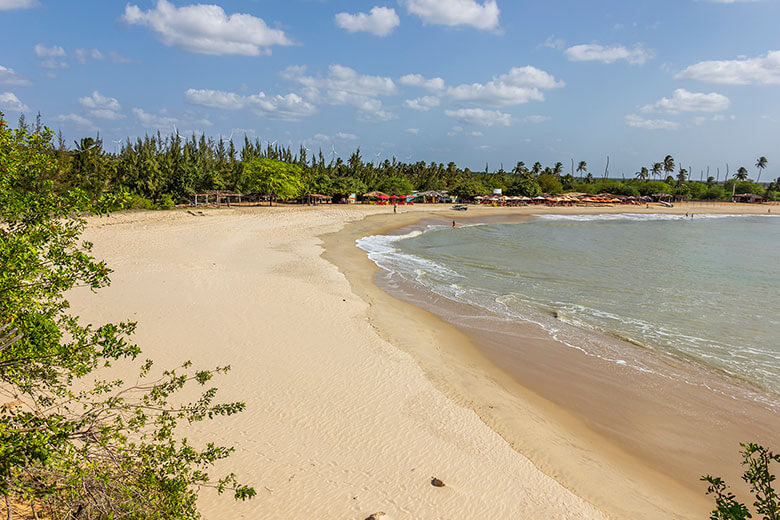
x=582 y=167
x=643 y=174
x=760 y=164
x=558 y=169
x=657 y=169
x=668 y=165
x=589 y=178
x=682 y=176
x=742 y=174
x=537 y=168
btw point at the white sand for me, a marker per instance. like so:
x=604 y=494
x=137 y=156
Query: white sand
x=339 y=423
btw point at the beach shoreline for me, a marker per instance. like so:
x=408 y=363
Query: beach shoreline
x=673 y=472
x=355 y=399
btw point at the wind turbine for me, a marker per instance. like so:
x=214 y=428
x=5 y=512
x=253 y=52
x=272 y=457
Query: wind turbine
x=333 y=152
x=117 y=143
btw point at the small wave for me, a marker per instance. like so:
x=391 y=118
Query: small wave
x=642 y=217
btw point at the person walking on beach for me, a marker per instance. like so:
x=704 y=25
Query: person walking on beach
x=395 y=208
x=453 y=223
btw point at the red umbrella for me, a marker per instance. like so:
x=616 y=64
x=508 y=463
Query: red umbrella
x=383 y=197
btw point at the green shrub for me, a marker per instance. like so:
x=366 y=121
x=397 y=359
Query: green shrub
x=166 y=202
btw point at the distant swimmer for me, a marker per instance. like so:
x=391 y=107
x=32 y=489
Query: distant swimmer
x=453 y=223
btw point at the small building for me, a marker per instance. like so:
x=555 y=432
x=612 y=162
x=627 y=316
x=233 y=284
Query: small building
x=748 y=198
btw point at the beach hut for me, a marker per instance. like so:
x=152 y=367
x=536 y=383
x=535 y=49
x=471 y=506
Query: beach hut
x=216 y=197
x=748 y=198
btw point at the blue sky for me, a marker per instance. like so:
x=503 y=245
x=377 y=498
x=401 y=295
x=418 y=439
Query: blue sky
x=470 y=81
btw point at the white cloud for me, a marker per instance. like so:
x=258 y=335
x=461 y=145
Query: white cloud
x=423 y=104
x=417 y=80
x=537 y=119
x=763 y=70
x=8 y=5
x=476 y=134
x=55 y=51
x=455 y=130
x=413 y=131
x=81 y=55
x=637 y=55
x=101 y=106
x=480 y=117
x=684 y=101
x=51 y=63
x=207 y=29
x=10 y=77
x=75 y=119
x=9 y=101
x=636 y=121
x=553 y=43
x=291 y=107
x=344 y=86
x=456 y=12
x=157 y=121
x=346 y=137
x=519 y=85
x=381 y=21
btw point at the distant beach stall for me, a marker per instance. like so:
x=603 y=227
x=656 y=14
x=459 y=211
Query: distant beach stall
x=216 y=197
x=433 y=197
x=314 y=199
x=748 y=198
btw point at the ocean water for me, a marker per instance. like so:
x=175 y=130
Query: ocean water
x=705 y=291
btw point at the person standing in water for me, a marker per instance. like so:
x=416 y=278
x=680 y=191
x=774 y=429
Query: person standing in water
x=453 y=223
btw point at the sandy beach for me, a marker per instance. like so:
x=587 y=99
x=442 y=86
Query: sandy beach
x=356 y=399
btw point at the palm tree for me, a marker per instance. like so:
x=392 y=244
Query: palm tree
x=742 y=174
x=643 y=174
x=582 y=167
x=589 y=178
x=668 y=165
x=537 y=167
x=657 y=169
x=557 y=169
x=682 y=176
x=710 y=181
x=760 y=164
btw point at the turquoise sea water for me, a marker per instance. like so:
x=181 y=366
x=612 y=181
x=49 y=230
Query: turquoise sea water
x=705 y=290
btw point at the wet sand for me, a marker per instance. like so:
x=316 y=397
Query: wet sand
x=633 y=444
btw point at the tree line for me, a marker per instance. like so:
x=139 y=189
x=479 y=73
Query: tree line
x=161 y=170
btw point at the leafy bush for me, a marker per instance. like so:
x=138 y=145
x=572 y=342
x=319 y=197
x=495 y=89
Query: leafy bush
x=100 y=451
x=138 y=202
x=759 y=478
x=166 y=202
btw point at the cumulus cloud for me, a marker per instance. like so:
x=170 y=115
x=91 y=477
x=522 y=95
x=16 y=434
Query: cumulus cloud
x=345 y=86
x=480 y=117
x=81 y=55
x=520 y=85
x=684 y=101
x=456 y=12
x=10 y=77
x=207 y=29
x=76 y=120
x=636 y=121
x=101 y=106
x=637 y=55
x=55 y=51
x=8 y=5
x=417 y=80
x=9 y=101
x=423 y=104
x=159 y=121
x=380 y=21
x=291 y=107
x=763 y=70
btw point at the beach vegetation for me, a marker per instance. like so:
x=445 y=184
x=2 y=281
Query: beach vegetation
x=759 y=477
x=155 y=170
x=469 y=189
x=273 y=178
x=73 y=445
